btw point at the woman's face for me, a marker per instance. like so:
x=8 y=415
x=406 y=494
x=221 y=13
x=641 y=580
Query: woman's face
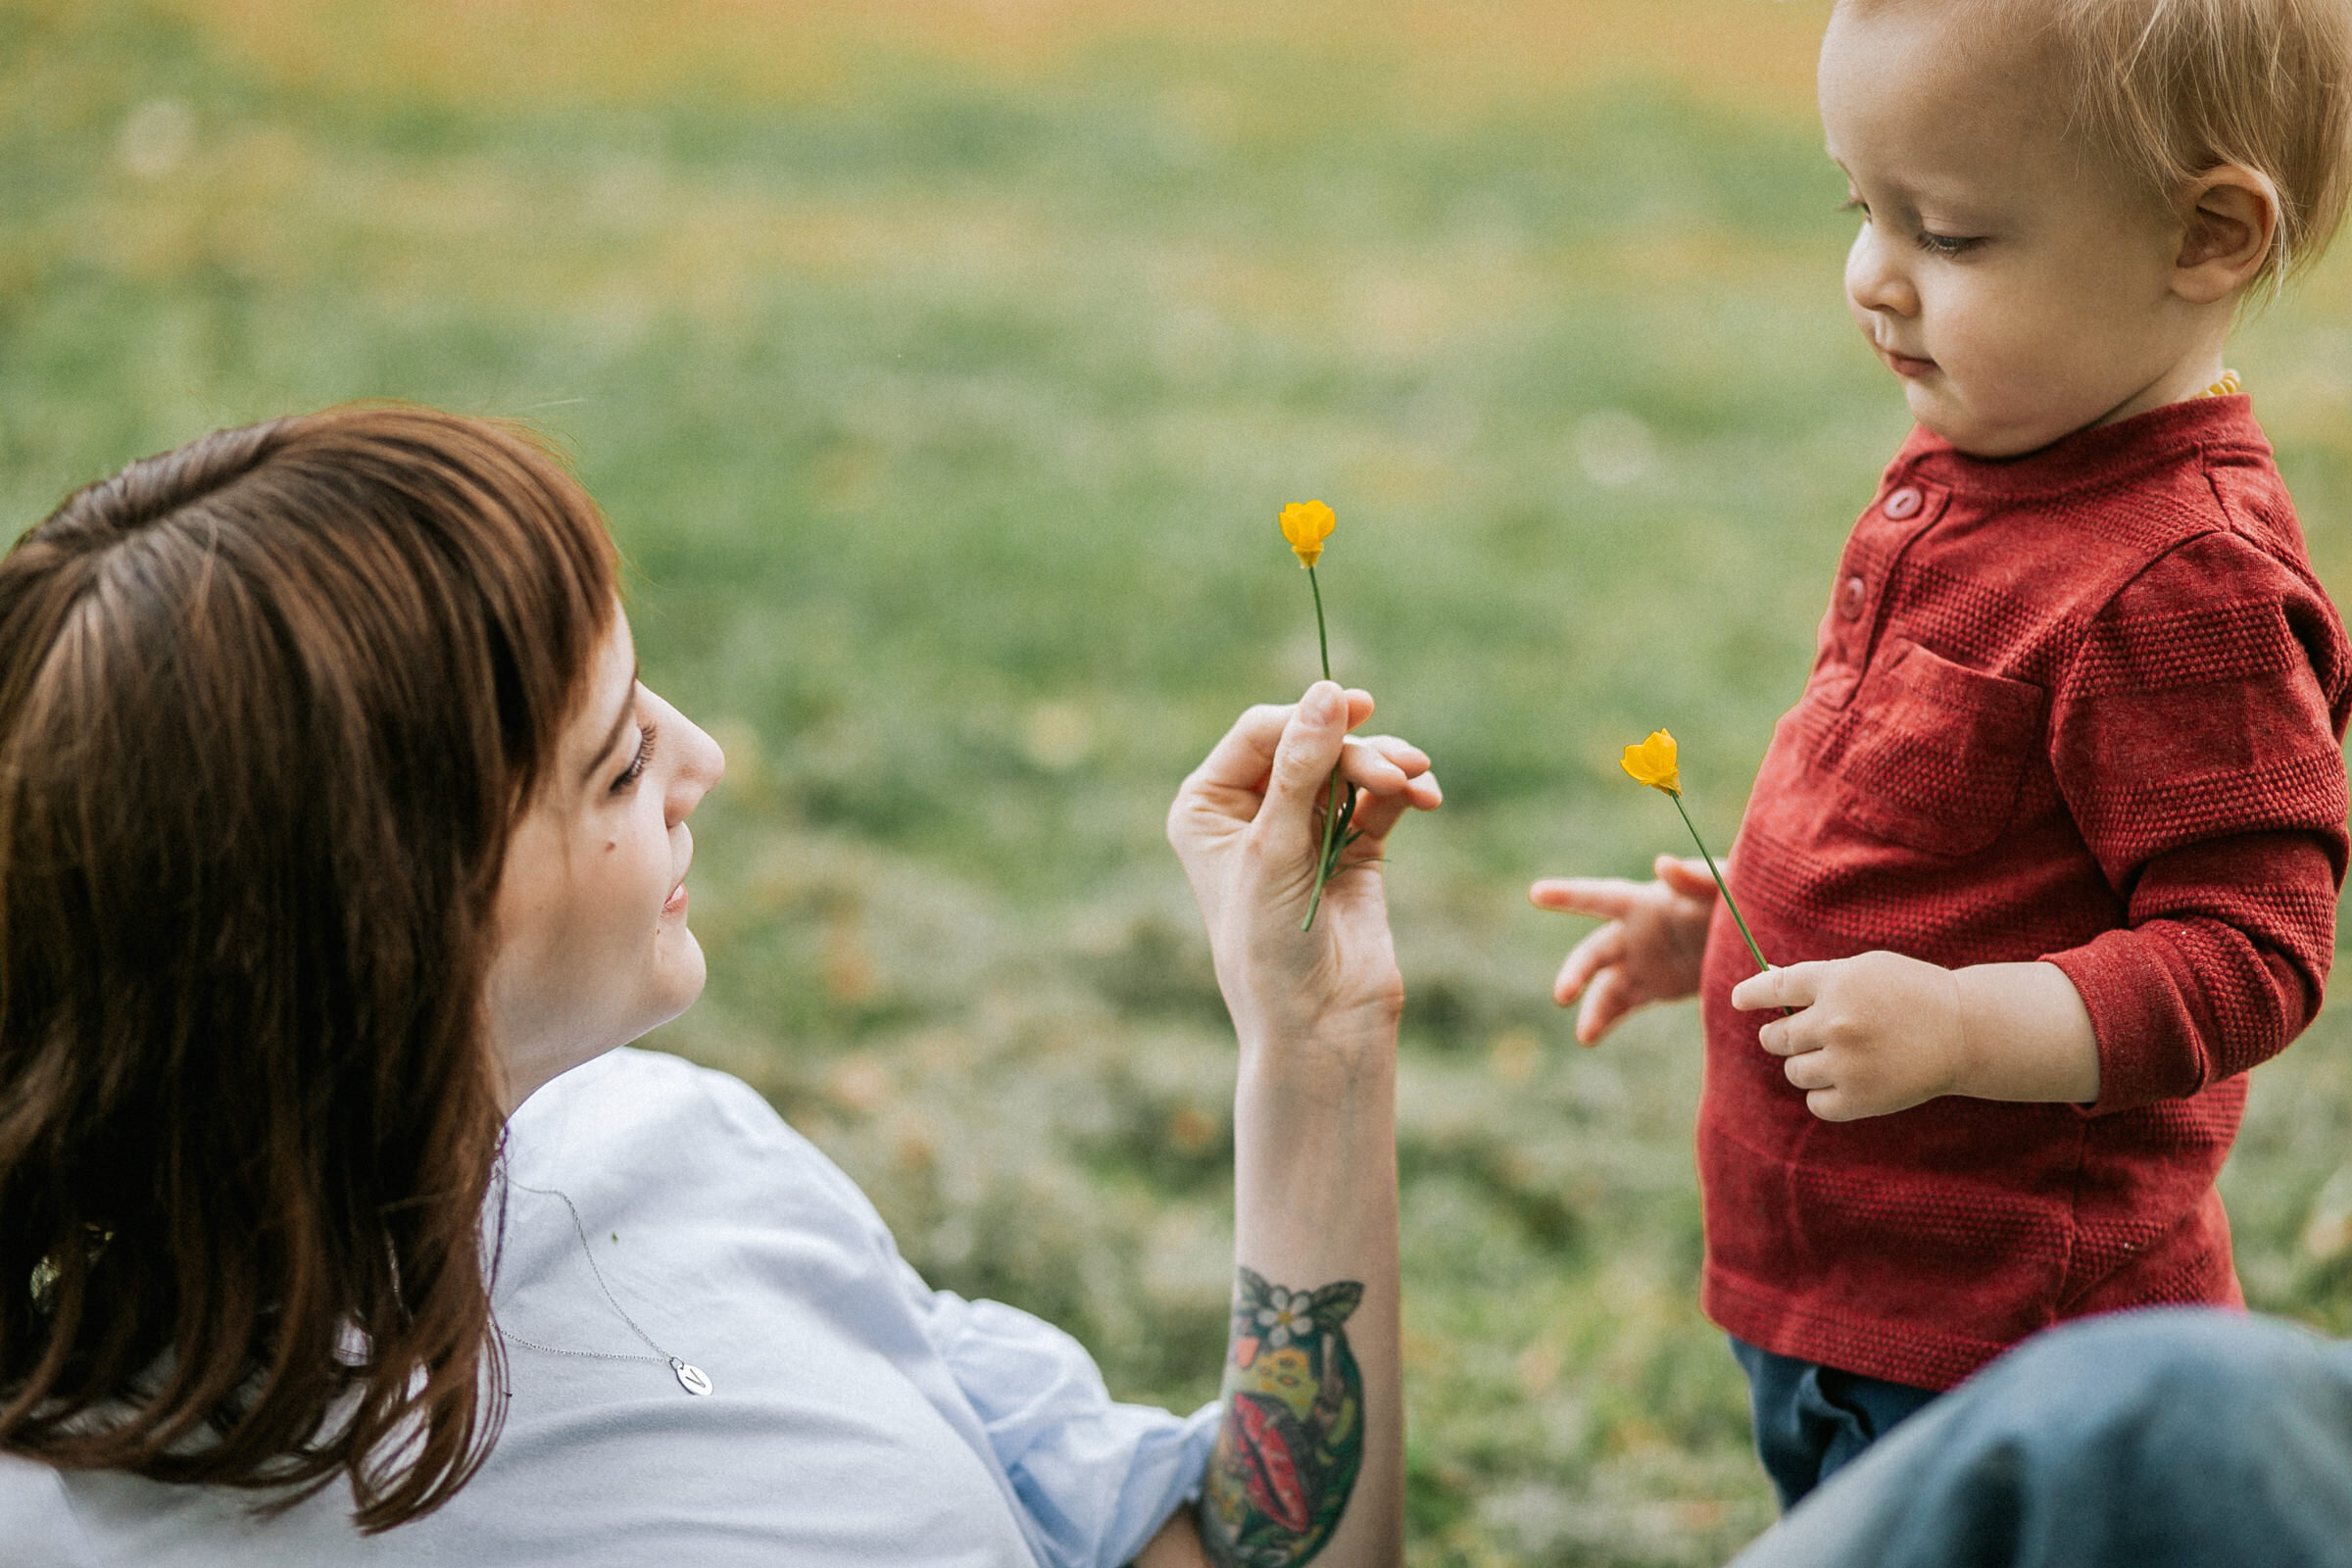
x=593 y=948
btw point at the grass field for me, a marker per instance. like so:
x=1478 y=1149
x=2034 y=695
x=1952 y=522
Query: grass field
x=942 y=367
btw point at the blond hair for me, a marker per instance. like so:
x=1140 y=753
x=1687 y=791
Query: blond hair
x=2173 y=89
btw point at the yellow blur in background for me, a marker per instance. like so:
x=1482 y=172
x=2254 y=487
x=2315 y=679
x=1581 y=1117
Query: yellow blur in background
x=943 y=366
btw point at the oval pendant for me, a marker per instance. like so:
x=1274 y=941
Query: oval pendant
x=691 y=1378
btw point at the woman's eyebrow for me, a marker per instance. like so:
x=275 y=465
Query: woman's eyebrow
x=628 y=700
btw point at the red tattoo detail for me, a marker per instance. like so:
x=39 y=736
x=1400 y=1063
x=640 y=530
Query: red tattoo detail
x=1267 y=1443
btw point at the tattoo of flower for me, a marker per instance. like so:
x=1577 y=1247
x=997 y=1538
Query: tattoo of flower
x=1293 y=1441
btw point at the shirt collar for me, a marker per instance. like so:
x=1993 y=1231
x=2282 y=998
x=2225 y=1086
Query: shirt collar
x=2162 y=437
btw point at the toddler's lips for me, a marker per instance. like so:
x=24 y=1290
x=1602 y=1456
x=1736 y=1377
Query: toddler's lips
x=675 y=904
x=1903 y=364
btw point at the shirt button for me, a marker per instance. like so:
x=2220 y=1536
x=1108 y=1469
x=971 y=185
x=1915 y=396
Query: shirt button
x=1850 y=597
x=1905 y=502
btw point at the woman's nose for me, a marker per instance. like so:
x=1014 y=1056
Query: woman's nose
x=700 y=766
x=1875 y=278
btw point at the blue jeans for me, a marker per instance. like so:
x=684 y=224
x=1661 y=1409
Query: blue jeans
x=2160 y=1439
x=1813 y=1420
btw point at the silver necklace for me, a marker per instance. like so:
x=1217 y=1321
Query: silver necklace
x=693 y=1379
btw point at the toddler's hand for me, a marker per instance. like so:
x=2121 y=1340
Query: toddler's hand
x=1872 y=1034
x=1649 y=952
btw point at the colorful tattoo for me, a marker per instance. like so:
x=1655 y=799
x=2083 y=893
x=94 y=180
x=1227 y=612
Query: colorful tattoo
x=1293 y=1435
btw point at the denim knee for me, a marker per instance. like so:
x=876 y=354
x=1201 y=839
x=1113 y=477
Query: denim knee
x=2146 y=1440
x=2159 y=1438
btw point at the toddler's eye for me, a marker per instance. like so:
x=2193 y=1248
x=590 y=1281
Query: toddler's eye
x=1854 y=204
x=1948 y=245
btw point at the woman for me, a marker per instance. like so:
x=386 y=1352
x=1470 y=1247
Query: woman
x=335 y=825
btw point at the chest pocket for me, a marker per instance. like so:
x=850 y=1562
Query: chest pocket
x=1934 y=751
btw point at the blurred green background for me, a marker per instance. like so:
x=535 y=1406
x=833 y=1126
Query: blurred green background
x=942 y=365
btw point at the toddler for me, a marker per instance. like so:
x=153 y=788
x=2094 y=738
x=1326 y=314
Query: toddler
x=2047 y=854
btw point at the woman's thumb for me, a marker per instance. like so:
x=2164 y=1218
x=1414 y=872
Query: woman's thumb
x=1309 y=749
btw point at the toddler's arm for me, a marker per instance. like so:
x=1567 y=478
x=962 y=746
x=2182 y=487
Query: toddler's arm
x=2194 y=739
x=1880 y=1033
x=1649 y=952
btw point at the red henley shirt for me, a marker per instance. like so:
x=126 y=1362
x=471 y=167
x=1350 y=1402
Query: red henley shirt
x=2084 y=706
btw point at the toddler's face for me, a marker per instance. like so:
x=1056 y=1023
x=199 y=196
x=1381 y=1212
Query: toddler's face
x=2017 y=285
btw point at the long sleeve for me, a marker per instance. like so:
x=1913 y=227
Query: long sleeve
x=37 y=1527
x=1096 y=1478
x=2196 y=741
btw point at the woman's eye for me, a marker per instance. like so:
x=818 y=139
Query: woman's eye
x=1949 y=244
x=636 y=768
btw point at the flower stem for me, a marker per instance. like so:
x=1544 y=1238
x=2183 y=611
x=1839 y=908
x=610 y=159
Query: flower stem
x=1323 y=857
x=1322 y=637
x=1729 y=902
x=1331 y=811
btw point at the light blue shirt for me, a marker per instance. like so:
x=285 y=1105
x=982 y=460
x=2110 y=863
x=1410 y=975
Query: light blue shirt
x=859 y=1416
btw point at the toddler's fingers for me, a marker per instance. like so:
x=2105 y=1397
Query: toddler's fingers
x=1797 y=985
x=1605 y=1002
x=1834 y=1105
x=1598 y=950
x=1810 y=1070
x=1690 y=878
x=1605 y=898
x=1790 y=1035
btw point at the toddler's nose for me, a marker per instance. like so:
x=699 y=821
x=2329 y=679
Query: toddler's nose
x=1875 y=278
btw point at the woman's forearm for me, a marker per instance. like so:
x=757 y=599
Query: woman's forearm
x=1311 y=1462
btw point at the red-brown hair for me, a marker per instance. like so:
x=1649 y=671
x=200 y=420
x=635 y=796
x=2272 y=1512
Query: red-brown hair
x=270 y=704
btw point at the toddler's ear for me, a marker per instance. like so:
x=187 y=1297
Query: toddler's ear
x=2230 y=217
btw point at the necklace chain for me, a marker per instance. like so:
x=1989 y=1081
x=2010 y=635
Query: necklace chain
x=690 y=1377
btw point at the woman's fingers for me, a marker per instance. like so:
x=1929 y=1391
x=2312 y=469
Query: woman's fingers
x=1605 y=898
x=1382 y=762
x=1242 y=759
x=1377 y=815
x=1388 y=766
x=1394 y=775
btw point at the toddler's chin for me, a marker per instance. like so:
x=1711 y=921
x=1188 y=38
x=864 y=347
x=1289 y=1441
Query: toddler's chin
x=1968 y=435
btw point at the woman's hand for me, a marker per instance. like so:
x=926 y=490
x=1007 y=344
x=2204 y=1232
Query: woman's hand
x=1649 y=952
x=1245 y=824
x=1314 y=1137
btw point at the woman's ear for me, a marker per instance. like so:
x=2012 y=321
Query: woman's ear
x=2229 y=222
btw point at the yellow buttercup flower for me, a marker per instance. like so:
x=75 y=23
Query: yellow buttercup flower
x=1653 y=763
x=1306 y=525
